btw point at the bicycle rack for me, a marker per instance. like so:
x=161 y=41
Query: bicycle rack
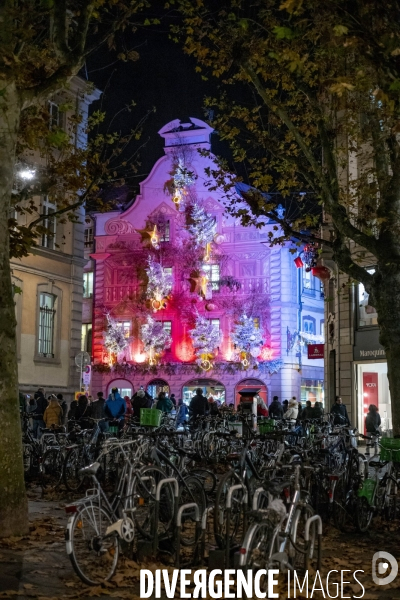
x=160 y=485
x=259 y=491
x=310 y=520
x=178 y=527
x=231 y=491
x=204 y=520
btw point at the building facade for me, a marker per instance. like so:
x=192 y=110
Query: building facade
x=227 y=279
x=48 y=282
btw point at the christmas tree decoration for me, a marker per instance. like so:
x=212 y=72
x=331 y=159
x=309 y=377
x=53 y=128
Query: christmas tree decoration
x=183 y=178
x=202 y=225
x=155 y=238
x=150 y=237
x=206 y=337
x=207 y=254
x=155 y=339
x=115 y=338
x=248 y=340
x=159 y=285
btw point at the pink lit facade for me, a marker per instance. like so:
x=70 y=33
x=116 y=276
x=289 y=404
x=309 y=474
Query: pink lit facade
x=289 y=305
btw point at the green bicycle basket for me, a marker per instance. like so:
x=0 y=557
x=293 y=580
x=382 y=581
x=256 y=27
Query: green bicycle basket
x=367 y=490
x=390 y=449
x=266 y=426
x=113 y=429
x=150 y=417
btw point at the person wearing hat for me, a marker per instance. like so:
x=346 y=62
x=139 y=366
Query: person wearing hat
x=53 y=413
x=115 y=407
x=141 y=400
x=292 y=411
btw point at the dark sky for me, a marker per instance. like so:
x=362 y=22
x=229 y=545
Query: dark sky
x=163 y=77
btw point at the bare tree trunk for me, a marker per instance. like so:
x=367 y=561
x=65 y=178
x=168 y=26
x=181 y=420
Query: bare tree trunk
x=13 y=503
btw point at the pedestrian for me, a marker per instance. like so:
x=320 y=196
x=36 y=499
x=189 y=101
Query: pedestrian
x=300 y=407
x=308 y=412
x=164 y=403
x=262 y=410
x=115 y=407
x=285 y=405
x=82 y=413
x=129 y=409
x=339 y=412
x=64 y=408
x=53 y=413
x=40 y=403
x=213 y=407
x=373 y=420
x=275 y=409
x=292 y=411
x=140 y=400
x=173 y=399
x=73 y=407
x=198 y=404
x=318 y=410
x=97 y=412
x=182 y=414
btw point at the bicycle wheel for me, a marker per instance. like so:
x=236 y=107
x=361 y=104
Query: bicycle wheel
x=258 y=546
x=191 y=490
x=93 y=556
x=73 y=462
x=339 y=512
x=237 y=511
x=52 y=466
x=207 y=478
x=364 y=514
x=298 y=547
x=144 y=494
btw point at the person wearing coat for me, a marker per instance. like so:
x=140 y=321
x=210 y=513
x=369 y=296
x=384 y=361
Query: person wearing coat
x=372 y=420
x=129 y=409
x=339 y=411
x=308 y=412
x=262 y=410
x=97 y=411
x=53 y=413
x=64 y=408
x=292 y=411
x=115 y=407
x=318 y=410
x=140 y=400
x=198 y=404
x=182 y=413
x=163 y=403
x=275 y=409
x=213 y=407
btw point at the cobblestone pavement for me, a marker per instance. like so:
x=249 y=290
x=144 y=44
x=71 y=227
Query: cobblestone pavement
x=37 y=567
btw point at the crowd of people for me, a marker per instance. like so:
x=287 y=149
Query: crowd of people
x=53 y=411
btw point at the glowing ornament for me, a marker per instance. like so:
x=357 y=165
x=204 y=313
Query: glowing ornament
x=207 y=255
x=202 y=226
x=182 y=179
x=155 y=238
x=155 y=339
x=206 y=338
x=115 y=338
x=248 y=339
x=159 y=285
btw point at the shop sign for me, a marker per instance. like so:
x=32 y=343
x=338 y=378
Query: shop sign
x=367 y=346
x=315 y=350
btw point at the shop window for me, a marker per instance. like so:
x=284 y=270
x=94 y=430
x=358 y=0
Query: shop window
x=88 y=284
x=313 y=390
x=367 y=315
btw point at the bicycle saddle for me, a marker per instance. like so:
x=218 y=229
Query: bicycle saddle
x=276 y=487
x=90 y=469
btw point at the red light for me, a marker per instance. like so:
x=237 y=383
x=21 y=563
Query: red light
x=243 y=550
x=72 y=508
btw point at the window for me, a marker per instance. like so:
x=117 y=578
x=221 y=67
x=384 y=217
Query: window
x=309 y=325
x=88 y=236
x=213 y=275
x=367 y=315
x=214 y=323
x=88 y=284
x=126 y=328
x=86 y=338
x=46 y=325
x=256 y=322
x=48 y=238
x=167 y=326
x=55 y=116
x=308 y=280
x=165 y=232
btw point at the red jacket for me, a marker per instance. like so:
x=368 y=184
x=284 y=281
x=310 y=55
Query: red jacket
x=262 y=412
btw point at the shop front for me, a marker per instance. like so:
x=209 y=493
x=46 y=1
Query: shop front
x=372 y=385
x=209 y=387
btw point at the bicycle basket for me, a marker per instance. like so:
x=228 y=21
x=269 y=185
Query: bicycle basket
x=390 y=449
x=367 y=490
x=113 y=429
x=150 y=417
x=266 y=426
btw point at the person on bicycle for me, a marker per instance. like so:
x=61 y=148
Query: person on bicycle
x=373 y=420
x=339 y=411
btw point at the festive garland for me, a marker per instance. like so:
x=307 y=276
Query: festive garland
x=206 y=338
x=159 y=284
x=247 y=338
x=226 y=368
x=155 y=339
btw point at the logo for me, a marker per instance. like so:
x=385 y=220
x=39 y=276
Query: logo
x=370 y=385
x=383 y=567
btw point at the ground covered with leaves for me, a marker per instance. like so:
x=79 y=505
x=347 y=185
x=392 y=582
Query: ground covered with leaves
x=36 y=566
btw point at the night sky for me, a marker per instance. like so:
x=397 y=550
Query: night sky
x=163 y=77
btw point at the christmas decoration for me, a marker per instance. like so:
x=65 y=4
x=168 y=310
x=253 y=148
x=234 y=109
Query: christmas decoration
x=150 y=237
x=322 y=273
x=115 y=338
x=155 y=339
x=298 y=262
x=248 y=340
x=183 y=178
x=202 y=225
x=159 y=284
x=310 y=256
x=206 y=338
